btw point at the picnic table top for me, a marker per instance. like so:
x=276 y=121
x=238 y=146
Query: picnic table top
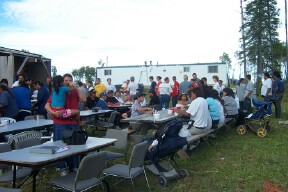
x=149 y=118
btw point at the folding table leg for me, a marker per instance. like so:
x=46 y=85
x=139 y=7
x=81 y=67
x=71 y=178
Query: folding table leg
x=34 y=175
x=14 y=176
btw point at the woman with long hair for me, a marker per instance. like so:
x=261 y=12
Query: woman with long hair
x=230 y=103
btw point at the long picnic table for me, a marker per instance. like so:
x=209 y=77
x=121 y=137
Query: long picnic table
x=149 y=118
x=26 y=125
x=23 y=157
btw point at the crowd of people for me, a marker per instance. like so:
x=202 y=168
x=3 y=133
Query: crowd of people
x=207 y=105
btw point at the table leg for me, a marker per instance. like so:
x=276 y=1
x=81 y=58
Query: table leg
x=14 y=176
x=34 y=175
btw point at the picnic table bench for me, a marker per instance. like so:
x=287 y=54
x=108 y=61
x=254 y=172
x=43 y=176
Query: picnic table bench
x=183 y=154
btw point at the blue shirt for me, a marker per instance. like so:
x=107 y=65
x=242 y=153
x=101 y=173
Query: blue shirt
x=23 y=97
x=278 y=84
x=213 y=108
x=184 y=85
x=42 y=97
x=10 y=108
x=101 y=103
x=58 y=100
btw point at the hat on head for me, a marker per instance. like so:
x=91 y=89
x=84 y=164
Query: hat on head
x=103 y=94
x=110 y=91
x=92 y=91
x=140 y=94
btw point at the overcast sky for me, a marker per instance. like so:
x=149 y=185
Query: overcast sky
x=77 y=33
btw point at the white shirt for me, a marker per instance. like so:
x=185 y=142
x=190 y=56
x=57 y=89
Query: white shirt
x=266 y=85
x=110 y=87
x=165 y=89
x=132 y=88
x=221 y=112
x=199 y=113
x=249 y=87
x=15 y=84
x=217 y=87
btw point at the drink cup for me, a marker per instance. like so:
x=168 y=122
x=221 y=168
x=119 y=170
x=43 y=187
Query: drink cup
x=4 y=122
x=170 y=112
x=163 y=109
x=156 y=116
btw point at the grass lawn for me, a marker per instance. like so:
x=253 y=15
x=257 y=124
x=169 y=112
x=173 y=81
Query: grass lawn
x=230 y=163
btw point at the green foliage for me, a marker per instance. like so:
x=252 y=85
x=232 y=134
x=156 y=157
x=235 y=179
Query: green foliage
x=84 y=73
x=226 y=59
x=263 y=48
x=54 y=70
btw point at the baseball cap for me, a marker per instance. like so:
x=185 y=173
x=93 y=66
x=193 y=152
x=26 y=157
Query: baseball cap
x=103 y=94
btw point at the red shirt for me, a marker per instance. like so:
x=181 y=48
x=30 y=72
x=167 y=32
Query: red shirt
x=156 y=87
x=175 y=90
x=71 y=102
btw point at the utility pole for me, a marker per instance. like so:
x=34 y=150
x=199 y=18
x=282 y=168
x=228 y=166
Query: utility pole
x=243 y=38
x=286 y=38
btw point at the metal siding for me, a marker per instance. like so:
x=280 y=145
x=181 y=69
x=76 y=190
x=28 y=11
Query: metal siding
x=122 y=73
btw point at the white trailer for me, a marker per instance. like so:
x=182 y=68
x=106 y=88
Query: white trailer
x=119 y=74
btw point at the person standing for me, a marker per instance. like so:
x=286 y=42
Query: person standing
x=60 y=124
x=165 y=92
x=99 y=87
x=240 y=92
x=22 y=96
x=159 y=82
x=216 y=86
x=133 y=86
x=248 y=94
x=184 y=85
x=21 y=79
x=175 y=92
x=42 y=97
x=153 y=84
x=278 y=90
x=109 y=86
x=266 y=89
x=8 y=105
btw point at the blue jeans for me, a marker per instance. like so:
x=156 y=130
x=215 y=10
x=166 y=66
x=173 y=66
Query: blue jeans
x=174 y=101
x=164 y=101
x=247 y=105
x=72 y=162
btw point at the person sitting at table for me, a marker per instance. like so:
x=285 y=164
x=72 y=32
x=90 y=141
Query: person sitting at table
x=102 y=101
x=117 y=96
x=91 y=101
x=42 y=97
x=22 y=96
x=154 y=100
x=136 y=108
x=110 y=100
x=127 y=97
x=8 y=105
x=230 y=104
x=198 y=112
x=213 y=109
x=144 y=103
x=182 y=101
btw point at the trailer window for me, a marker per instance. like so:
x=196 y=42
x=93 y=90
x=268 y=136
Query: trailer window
x=108 y=72
x=186 y=69
x=213 y=69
